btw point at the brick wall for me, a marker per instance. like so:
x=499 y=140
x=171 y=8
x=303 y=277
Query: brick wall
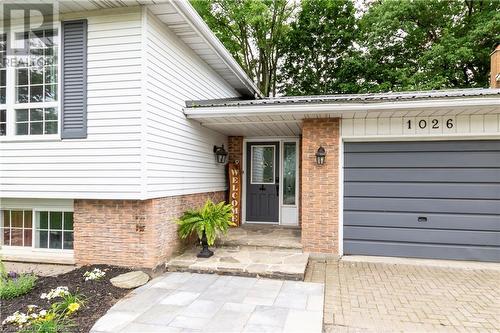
x=320 y=186
x=235 y=149
x=131 y=233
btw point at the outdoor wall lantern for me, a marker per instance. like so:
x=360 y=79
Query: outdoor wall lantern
x=220 y=154
x=320 y=156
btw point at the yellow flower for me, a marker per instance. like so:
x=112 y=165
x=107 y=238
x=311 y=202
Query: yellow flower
x=73 y=307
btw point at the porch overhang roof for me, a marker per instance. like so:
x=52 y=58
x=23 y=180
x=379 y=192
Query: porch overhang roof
x=283 y=116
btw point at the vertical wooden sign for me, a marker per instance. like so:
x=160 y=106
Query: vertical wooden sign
x=235 y=190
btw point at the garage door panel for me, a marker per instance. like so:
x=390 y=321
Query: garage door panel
x=422 y=160
x=423 y=205
x=455 y=185
x=433 y=251
x=425 y=236
x=479 y=175
x=410 y=146
x=423 y=190
x=409 y=220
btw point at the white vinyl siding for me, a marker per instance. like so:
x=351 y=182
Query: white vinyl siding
x=106 y=165
x=179 y=152
x=462 y=125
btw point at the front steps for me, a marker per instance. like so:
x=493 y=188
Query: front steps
x=254 y=251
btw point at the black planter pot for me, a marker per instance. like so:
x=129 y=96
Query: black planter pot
x=205 y=252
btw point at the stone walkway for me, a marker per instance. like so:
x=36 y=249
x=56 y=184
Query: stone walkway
x=185 y=302
x=381 y=297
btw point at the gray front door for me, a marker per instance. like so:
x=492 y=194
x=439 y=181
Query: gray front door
x=423 y=199
x=262 y=174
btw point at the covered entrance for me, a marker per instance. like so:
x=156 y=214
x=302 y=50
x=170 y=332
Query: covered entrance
x=271 y=180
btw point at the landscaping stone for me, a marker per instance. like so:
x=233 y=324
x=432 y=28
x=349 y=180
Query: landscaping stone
x=130 y=280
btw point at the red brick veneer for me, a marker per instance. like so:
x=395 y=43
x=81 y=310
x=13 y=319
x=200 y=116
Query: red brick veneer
x=320 y=186
x=131 y=233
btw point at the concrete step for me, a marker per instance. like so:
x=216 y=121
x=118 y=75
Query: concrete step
x=262 y=236
x=274 y=263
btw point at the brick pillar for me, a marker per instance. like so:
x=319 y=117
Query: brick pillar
x=235 y=149
x=320 y=186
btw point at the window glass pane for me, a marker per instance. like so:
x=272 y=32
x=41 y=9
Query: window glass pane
x=28 y=219
x=3 y=74
x=50 y=74
x=5 y=218
x=28 y=237
x=5 y=236
x=16 y=237
x=22 y=76
x=68 y=240
x=55 y=221
x=68 y=221
x=22 y=115
x=42 y=221
x=55 y=240
x=50 y=114
x=289 y=173
x=17 y=218
x=22 y=129
x=50 y=93
x=2 y=96
x=36 y=128
x=36 y=94
x=36 y=75
x=3 y=116
x=36 y=114
x=3 y=129
x=51 y=127
x=41 y=239
x=262 y=165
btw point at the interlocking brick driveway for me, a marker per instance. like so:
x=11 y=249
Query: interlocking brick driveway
x=378 y=297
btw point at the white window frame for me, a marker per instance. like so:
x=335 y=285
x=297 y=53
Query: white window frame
x=11 y=105
x=274 y=164
x=34 y=211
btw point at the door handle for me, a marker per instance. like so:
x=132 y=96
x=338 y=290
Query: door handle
x=262 y=188
x=277 y=186
x=422 y=219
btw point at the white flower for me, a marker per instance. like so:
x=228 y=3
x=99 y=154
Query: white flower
x=95 y=274
x=18 y=318
x=54 y=293
x=43 y=313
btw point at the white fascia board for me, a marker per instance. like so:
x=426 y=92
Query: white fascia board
x=339 y=108
x=185 y=9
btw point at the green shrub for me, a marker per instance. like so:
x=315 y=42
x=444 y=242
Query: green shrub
x=14 y=287
x=65 y=306
x=211 y=219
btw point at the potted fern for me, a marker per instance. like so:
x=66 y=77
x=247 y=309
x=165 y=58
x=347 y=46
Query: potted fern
x=208 y=223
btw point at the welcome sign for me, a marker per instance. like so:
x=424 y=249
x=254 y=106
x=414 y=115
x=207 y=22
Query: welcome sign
x=235 y=190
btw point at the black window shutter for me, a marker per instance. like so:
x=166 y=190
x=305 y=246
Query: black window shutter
x=74 y=79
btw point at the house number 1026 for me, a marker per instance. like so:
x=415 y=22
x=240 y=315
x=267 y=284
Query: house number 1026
x=434 y=123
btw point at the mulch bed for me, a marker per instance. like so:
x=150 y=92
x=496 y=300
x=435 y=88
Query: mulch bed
x=99 y=296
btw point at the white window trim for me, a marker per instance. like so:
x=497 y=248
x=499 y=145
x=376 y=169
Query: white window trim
x=11 y=106
x=274 y=164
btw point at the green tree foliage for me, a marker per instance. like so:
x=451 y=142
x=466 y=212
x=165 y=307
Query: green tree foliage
x=325 y=47
x=319 y=51
x=427 y=44
x=253 y=31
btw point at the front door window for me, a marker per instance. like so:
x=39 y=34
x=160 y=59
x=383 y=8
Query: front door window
x=263 y=164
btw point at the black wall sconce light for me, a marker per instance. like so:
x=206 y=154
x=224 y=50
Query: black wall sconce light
x=220 y=154
x=320 y=156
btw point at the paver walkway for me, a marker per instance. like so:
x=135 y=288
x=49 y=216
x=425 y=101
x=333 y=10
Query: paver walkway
x=188 y=302
x=381 y=297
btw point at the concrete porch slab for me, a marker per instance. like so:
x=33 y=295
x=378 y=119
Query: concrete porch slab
x=274 y=263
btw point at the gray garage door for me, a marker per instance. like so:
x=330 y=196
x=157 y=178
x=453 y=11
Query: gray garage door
x=423 y=199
